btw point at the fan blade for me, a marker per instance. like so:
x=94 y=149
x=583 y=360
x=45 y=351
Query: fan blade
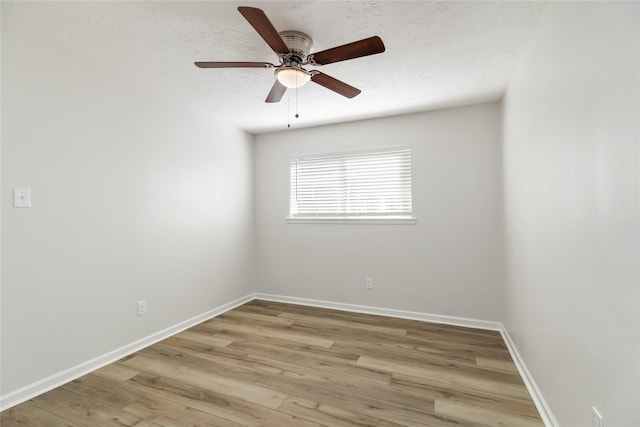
x=364 y=47
x=265 y=28
x=234 y=65
x=335 y=85
x=275 y=95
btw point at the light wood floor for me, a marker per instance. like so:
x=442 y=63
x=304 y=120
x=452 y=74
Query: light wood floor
x=273 y=364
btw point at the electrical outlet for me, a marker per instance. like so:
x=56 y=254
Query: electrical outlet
x=142 y=307
x=368 y=283
x=598 y=419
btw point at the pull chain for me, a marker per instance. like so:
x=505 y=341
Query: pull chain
x=288 y=110
x=297 y=98
x=289 y=104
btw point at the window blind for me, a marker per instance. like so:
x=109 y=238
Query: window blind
x=363 y=184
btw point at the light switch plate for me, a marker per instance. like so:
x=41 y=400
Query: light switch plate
x=21 y=198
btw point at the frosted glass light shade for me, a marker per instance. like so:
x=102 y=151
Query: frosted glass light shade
x=292 y=78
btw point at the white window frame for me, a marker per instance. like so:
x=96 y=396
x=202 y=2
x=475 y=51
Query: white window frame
x=404 y=217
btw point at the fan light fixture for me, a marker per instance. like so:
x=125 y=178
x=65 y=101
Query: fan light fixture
x=293 y=49
x=292 y=77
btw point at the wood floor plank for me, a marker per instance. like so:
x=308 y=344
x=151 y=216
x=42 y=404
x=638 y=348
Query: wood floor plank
x=116 y=372
x=410 y=354
x=481 y=415
x=166 y=413
x=316 y=381
x=271 y=333
x=302 y=319
x=490 y=342
x=214 y=402
x=102 y=390
x=511 y=404
x=283 y=365
x=82 y=410
x=240 y=368
x=500 y=365
x=27 y=414
x=330 y=415
x=233 y=388
x=377 y=409
x=447 y=377
x=203 y=338
x=268 y=368
x=286 y=358
x=257 y=318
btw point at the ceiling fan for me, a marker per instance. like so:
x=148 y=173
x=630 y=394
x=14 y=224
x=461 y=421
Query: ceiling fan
x=294 y=51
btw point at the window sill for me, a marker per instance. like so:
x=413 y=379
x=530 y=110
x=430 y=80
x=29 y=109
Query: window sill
x=399 y=220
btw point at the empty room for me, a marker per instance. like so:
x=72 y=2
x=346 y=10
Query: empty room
x=320 y=213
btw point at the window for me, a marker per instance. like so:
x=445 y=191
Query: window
x=367 y=186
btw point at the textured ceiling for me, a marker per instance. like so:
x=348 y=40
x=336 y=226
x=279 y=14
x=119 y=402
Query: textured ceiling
x=439 y=54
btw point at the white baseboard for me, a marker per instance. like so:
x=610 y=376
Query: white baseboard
x=32 y=390
x=56 y=380
x=403 y=314
x=544 y=410
x=541 y=404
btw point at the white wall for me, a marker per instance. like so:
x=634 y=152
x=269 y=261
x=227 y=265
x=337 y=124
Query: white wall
x=448 y=263
x=132 y=198
x=571 y=210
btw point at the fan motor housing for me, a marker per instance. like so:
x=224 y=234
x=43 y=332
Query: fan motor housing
x=299 y=44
